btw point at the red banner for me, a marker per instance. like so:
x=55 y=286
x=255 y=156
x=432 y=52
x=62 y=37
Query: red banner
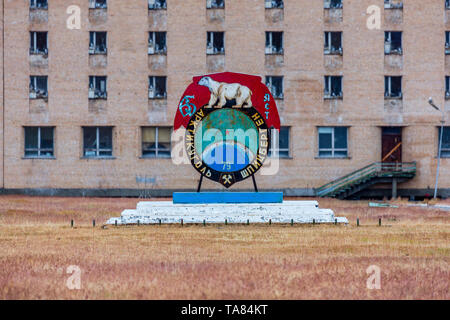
x=198 y=95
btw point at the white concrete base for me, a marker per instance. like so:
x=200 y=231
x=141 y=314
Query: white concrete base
x=154 y=212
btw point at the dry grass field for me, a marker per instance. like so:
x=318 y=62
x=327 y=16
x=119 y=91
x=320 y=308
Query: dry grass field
x=37 y=244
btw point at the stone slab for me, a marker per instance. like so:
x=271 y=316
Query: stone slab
x=153 y=212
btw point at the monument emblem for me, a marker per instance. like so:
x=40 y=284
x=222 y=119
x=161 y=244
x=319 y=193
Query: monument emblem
x=228 y=118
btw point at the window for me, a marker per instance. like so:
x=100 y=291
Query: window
x=333 y=87
x=156 y=142
x=215 y=43
x=333 y=142
x=275 y=85
x=157 y=43
x=38 y=87
x=39 y=142
x=157 y=4
x=447 y=4
x=157 y=87
x=445 y=149
x=97 y=42
x=447 y=42
x=38 y=43
x=393 y=42
x=98 y=4
x=283 y=142
x=396 y=4
x=333 y=43
x=97 y=142
x=332 y=4
x=392 y=87
x=97 y=87
x=38 y=4
x=215 y=4
x=274 y=42
x=447 y=87
x=272 y=4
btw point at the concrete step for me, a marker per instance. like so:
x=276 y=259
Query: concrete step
x=152 y=212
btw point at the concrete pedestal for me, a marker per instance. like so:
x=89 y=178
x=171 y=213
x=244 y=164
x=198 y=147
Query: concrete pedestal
x=154 y=212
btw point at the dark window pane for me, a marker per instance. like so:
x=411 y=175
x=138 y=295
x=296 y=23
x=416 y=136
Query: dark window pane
x=277 y=41
x=31 y=153
x=41 y=41
x=284 y=138
x=41 y=83
x=396 y=40
x=46 y=138
x=160 y=83
x=336 y=40
x=105 y=153
x=160 y=39
x=340 y=138
x=90 y=138
x=325 y=141
x=105 y=138
x=340 y=154
x=336 y=86
x=325 y=153
x=396 y=86
x=31 y=137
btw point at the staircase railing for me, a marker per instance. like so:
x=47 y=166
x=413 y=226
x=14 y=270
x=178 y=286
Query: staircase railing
x=372 y=170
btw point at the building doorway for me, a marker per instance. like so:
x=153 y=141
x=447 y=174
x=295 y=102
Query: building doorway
x=391 y=145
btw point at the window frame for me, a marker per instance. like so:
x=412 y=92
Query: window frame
x=33 y=43
x=93 y=91
x=34 y=5
x=154 y=51
x=209 y=41
x=154 y=7
x=97 y=147
x=447 y=42
x=447 y=87
x=209 y=4
x=328 y=83
x=446 y=150
x=268 y=4
x=33 y=94
x=328 y=50
x=280 y=150
x=93 y=5
x=150 y=82
x=331 y=4
x=269 y=84
x=39 y=149
x=388 y=43
x=388 y=4
x=388 y=94
x=156 y=149
x=269 y=47
x=333 y=149
x=93 y=50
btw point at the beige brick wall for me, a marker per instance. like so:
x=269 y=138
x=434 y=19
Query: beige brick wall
x=186 y=23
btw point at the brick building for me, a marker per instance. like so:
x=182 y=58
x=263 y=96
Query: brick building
x=88 y=110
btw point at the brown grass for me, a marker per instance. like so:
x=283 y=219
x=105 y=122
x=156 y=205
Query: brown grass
x=412 y=249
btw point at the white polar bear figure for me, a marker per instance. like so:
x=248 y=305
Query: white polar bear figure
x=227 y=91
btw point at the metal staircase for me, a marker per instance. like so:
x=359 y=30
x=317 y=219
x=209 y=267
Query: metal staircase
x=378 y=172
